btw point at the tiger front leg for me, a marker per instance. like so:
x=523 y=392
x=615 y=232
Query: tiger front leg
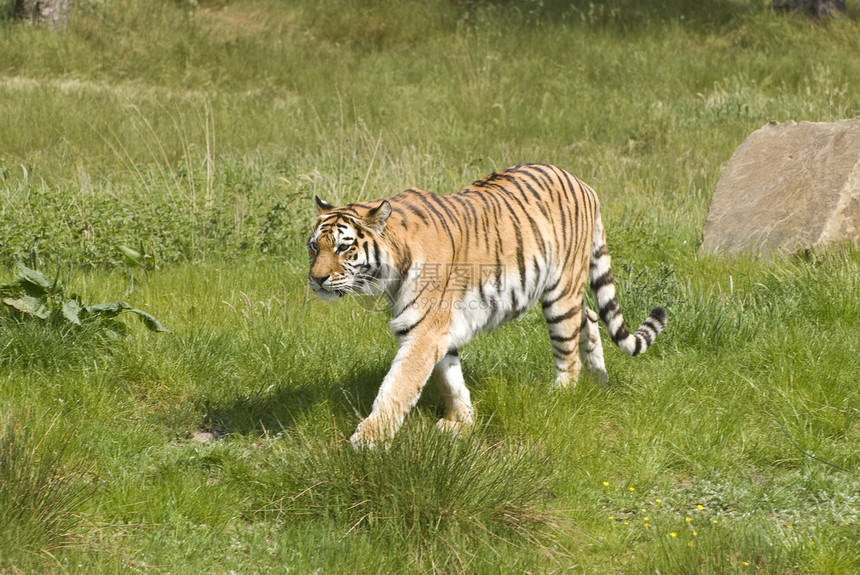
x=458 y=404
x=400 y=389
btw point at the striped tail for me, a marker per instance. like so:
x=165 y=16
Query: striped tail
x=603 y=287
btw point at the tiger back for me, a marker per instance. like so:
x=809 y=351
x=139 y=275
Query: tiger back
x=452 y=266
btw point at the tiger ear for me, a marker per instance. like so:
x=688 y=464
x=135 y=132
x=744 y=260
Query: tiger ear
x=376 y=217
x=322 y=206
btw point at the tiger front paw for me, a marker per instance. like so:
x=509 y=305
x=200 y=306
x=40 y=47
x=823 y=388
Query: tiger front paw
x=455 y=428
x=456 y=423
x=363 y=438
x=371 y=433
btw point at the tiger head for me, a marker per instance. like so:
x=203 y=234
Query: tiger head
x=344 y=250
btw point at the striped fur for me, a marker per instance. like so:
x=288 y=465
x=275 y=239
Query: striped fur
x=452 y=266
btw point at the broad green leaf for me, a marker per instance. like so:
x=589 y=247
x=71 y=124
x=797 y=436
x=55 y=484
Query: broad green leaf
x=131 y=256
x=149 y=321
x=72 y=310
x=34 y=282
x=108 y=309
x=30 y=305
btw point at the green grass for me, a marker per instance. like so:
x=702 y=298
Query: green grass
x=199 y=132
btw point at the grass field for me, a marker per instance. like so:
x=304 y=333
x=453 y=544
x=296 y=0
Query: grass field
x=197 y=132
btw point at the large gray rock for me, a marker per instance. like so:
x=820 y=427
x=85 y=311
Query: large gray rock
x=788 y=187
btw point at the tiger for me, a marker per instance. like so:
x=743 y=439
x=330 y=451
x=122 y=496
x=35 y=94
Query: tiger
x=451 y=266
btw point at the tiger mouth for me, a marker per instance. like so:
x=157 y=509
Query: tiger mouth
x=328 y=293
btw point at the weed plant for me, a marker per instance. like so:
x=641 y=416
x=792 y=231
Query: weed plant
x=197 y=134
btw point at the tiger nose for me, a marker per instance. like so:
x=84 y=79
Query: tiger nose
x=320 y=279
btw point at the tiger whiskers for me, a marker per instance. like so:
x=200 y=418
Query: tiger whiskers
x=371 y=285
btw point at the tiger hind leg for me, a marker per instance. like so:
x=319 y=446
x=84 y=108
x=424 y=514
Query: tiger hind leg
x=590 y=346
x=563 y=322
x=458 y=405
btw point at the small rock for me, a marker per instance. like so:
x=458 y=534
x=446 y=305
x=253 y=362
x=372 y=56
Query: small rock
x=202 y=437
x=215 y=434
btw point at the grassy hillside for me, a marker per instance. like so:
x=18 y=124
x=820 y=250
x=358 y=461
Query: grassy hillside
x=198 y=132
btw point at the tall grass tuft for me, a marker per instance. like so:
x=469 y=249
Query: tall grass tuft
x=437 y=498
x=40 y=497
